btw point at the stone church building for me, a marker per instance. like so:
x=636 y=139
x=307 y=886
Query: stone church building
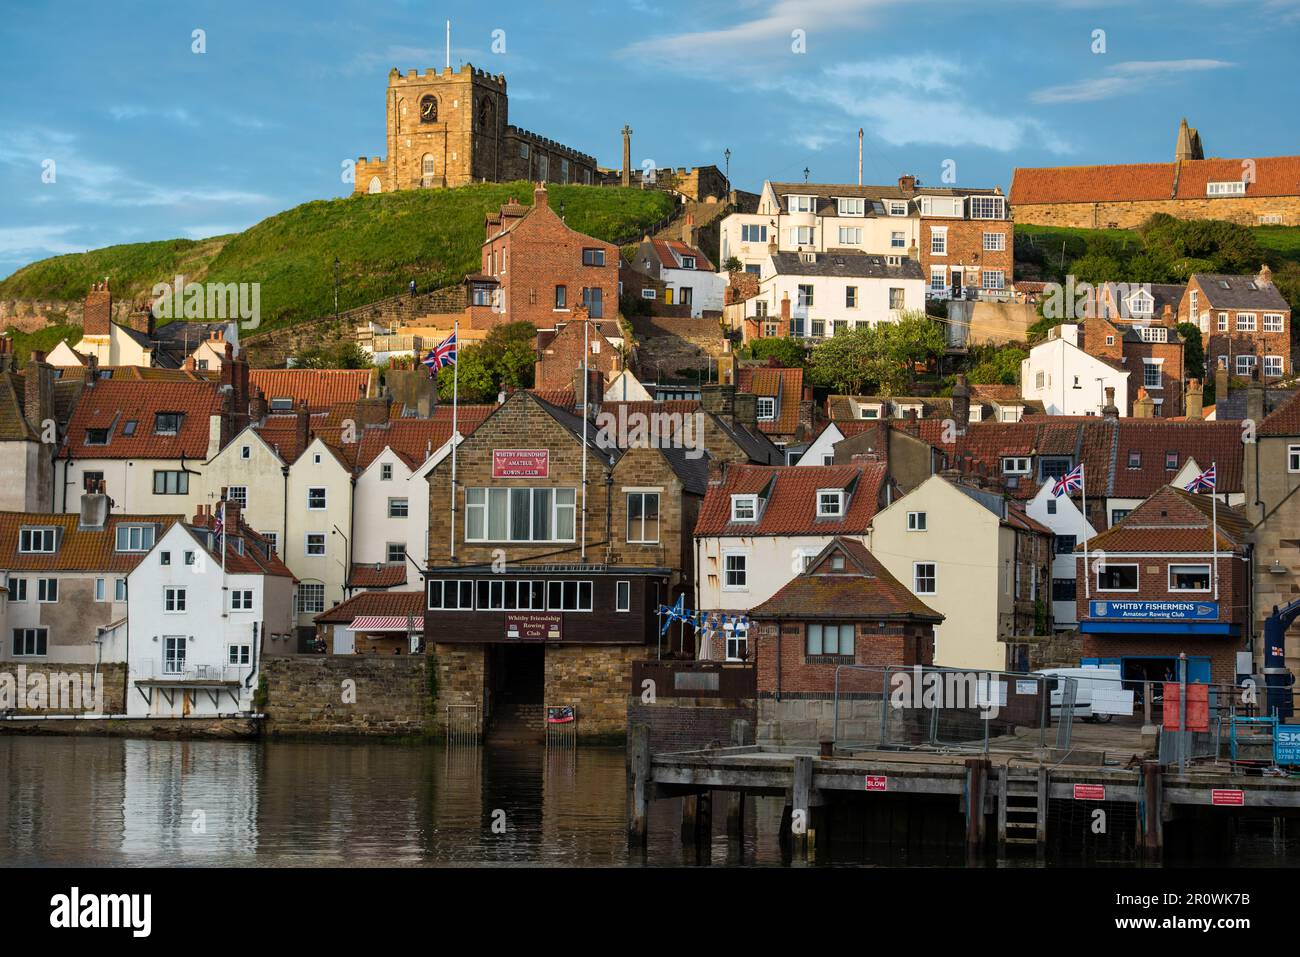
x=452 y=128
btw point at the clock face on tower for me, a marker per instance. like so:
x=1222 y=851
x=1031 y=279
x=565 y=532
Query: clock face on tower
x=429 y=109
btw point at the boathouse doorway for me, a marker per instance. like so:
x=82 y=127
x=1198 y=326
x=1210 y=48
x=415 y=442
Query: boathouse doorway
x=516 y=684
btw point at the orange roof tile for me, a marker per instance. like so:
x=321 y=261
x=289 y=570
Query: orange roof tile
x=77 y=548
x=319 y=388
x=390 y=603
x=776 y=381
x=129 y=408
x=790 y=506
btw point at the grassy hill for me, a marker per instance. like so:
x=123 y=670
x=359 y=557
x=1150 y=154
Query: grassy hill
x=382 y=242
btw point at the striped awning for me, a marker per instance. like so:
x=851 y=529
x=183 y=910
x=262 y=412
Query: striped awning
x=387 y=623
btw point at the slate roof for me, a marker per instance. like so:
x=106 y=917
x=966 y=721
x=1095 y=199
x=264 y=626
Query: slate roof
x=845 y=264
x=114 y=405
x=1239 y=294
x=1232 y=407
x=77 y=549
x=788 y=499
x=863 y=590
x=256 y=557
x=14 y=426
x=388 y=603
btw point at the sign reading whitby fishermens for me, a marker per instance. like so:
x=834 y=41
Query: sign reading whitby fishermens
x=1158 y=610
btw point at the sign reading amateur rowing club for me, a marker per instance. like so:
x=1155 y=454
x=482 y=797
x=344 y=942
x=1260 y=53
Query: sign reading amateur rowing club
x=521 y=463
x=1149 y=610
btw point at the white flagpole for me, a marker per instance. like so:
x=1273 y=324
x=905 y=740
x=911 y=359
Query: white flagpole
x=455 y=400
x=1087 y=572
x=1214 y=525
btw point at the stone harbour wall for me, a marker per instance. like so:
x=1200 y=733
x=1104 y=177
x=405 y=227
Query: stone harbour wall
x=387 y=695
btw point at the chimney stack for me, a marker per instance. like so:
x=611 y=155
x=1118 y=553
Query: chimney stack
x=38 y=392
x=98 y=310
x=907 y=183
x=1265 y=277
x=94 y=508
x=1221 y=385
x=1144 y=407
x=539 y=196
x=1109 y=411
x=302 y=426
x=745 y=410
x=961 y=402
x=1194 y=398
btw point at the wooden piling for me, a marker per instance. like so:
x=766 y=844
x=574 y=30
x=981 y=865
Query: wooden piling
x=690 y=808
x=740 y=736
x=977 y=775
x=801 y=803
x=1044 y=791
x=638 y=792
x=704 y=819
x=1153 y=796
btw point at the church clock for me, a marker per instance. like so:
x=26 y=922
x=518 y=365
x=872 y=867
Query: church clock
x=429 y=109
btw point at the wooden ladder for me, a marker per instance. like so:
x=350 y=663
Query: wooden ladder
x=1022 y=805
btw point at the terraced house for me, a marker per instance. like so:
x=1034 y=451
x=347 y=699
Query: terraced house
x=1245 y=323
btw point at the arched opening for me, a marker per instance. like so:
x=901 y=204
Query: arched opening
x=428 y=170
x=375 y=186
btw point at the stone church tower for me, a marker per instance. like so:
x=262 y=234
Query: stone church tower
x=453 y=128
x=1189 y=144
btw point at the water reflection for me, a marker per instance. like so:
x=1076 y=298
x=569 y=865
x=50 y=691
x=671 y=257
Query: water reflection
x=112 y=802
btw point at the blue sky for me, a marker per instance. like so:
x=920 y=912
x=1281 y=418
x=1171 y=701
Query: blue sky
x=150 y=140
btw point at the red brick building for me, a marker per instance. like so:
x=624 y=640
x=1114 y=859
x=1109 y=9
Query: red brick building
x=1160 y=592
x=843 y=609
x=1245 y=323
x=560 y=352
x=536 y=269
x=966 y=244
x=1151 y=351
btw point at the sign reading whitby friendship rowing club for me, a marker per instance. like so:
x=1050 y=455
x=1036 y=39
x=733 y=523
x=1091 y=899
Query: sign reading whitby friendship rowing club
x=1154 y=610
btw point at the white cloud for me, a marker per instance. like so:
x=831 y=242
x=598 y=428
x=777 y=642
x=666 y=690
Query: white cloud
x=1122 y=78
x=38 y=241
x=919 y=99
x=135 y=112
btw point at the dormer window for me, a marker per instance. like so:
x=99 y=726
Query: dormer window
x=134 y=538
x=282 y=404
x=852 y=207
x=766 y=408
x=1232 y=187
x=898 y=207
x=1141 y=303
x=97 y=436
x=800 y=204
x=837 y=562
x=744 y=508
x=869 y=411
x=688 y=262
x=1015 y=465
x=36 y=540
x=167 y=423
x=830 y=503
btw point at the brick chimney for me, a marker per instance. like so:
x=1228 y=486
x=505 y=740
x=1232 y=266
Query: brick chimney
x=372 y=411
x=1220 y=384
x=98 y=311
x=1265 y=277
x=141 y=320
x=961 y=402
x=1194 y=398
x=1109 y=410
x=233 y=519
x=688 y=230
x=784 y=329
x=719 y=400
x=1144 y=407
x=38 y=391
x=745 y=410
x=91 y=371
x=907 y=183
x=539 y=196
x=6 y=354
x=257 y=406
x=302 y=425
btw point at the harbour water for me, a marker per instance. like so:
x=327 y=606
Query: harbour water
x=111 y=802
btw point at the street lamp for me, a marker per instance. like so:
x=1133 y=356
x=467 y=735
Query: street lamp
x=727 y=154
x=805 y=174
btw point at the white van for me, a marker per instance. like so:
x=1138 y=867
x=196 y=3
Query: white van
x=1088 y=681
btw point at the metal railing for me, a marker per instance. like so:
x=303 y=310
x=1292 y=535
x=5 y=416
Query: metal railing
x=161 y=668
x=930 y=708
x=561 y=725
x=463 y=727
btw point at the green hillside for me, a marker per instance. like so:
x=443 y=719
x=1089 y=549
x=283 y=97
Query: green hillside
x=382 y=242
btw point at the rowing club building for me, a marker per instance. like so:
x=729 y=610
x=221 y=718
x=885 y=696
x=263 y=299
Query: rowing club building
x=543 y=588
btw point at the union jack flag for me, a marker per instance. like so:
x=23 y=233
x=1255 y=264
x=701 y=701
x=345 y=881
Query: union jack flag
x=1071 y=481
x=1203 y=482
x=219 y=526
x=443 y=355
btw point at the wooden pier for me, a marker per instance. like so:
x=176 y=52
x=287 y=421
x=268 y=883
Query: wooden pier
x=1004 y=797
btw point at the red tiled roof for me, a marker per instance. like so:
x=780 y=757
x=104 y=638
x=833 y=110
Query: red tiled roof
x=1274 y=176
x=78 y=549
x=863 y=590
x=114 y=404
x=1284 y=420
x=664 y=249
x=413 y=440
x=319 y=388
x=775 y=381
x=387 y=603
x=248 y=560
x=1173 y=520
x=377 y=576
x=791 y=504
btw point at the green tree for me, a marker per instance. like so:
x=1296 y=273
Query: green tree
x=343 y=354
x=1193 y=350
x=733 y=264
x=503 y=360
x=884 y=357
x=998 y=366
x=786 y=351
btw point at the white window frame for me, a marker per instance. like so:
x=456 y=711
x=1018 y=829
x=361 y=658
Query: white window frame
x=745 y=502
x=1209 y=576
x=766 y=408
x=38 y=635
x=743 y=571
x=464 y=590
x=481 y=512
x=1273 y=366
x=299 y=603
x=622 y=596
x=643 y=494
x=1293 y=458
x=917 y=522
x=47 y=591
x=1137 y=572
x=306 y=544
x=800 y=204
x=825 y=497
x=324 y=498
x=405 y=506
x=1017 y=465
x=995 y=242
x=933 y=578
x=1273 y=322
x=1246 y=322
x=939 y=241
x=241 y=599
x=174 y=600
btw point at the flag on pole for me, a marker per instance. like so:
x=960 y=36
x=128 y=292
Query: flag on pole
x=441 y=355
x=1071 y=481
x=220 y=527
x=1204 y=482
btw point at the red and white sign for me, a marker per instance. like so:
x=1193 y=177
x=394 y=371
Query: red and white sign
x=877 y=782
x=1226 y=798
x=521 y=463
x=1090 y=792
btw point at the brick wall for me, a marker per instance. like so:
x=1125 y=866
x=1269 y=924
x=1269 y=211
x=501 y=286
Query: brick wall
x=1245 y=210
x=1234 y=342
x=306 y=695
x=876 y=644
x=23 y=679
x=966 y=248
x=460 y=671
